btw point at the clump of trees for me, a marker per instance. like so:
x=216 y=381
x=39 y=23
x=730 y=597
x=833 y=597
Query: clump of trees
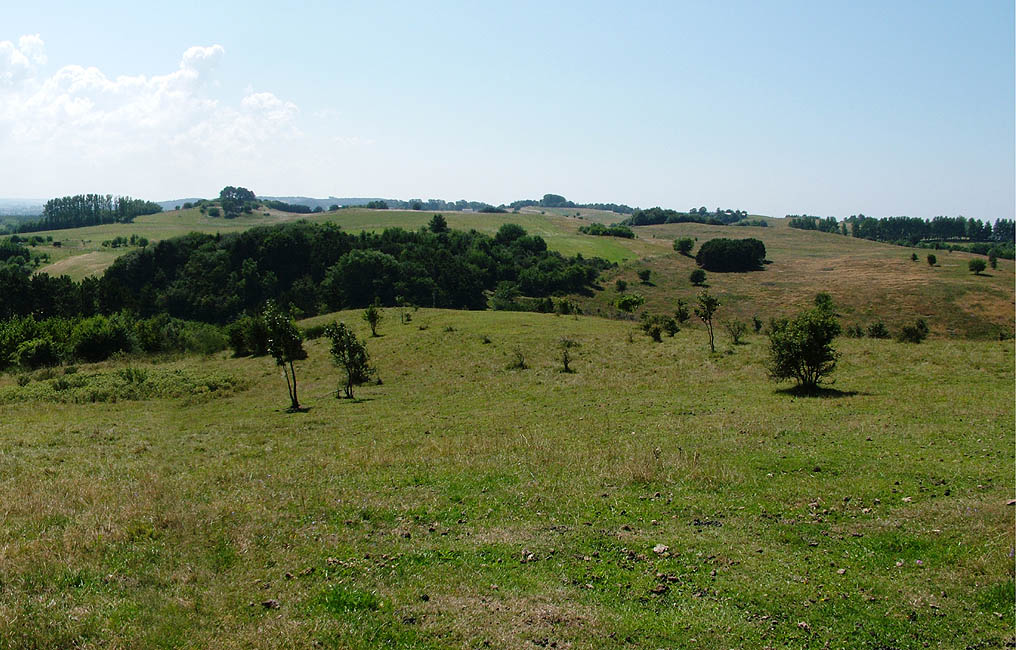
x=607 y=231
x=89 y=210
x=800 y=348
x=657 y=215
x=807 y=222
x=725 y=255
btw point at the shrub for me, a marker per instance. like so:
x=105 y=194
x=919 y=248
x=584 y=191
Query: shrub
x=644 y=275
x=756 y=324
x=505 y=297
x=620 y=285
x=373 y=316
x=654 y=326
x=698 y=277
x=993 y=260
x=518 y=361
x=801 y=349
x=98 y=337
x=37 y=353
x=914 y=333
x=724 y=255
x=913 y=257
x=878 y=330
x=213 y=212
x=932 y=260
x=736 y=329
x=682 y=314
x=684 y=245
x=631 y=302
x=248 y=336
x=566 y=345
x=976 y=266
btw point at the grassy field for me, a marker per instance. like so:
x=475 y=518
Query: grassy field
x=657 y=497
x=81 y=254
x=867 y=280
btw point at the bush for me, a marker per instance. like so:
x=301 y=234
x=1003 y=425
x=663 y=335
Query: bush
x=932 y=260
x=37 y=353
x=644 y=275
x=620 y=285
x=698 y=277
x=684 y=245
x=654 y=326
x=566 y=345
x=682 y=313
x=756 y=324
x=855 y=332
x=914 y=333
x=801 y=349
x=248 y=337
x=736 y=329
x=631 y=302
x=977 y=266
x=349 y=353
x=878 y=330
x=725 y=255
x=97 y=338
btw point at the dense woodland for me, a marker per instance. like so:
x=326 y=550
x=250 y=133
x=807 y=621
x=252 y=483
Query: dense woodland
x=979 y=236
x=88 y=210
x=656 y=216
x=312 y=267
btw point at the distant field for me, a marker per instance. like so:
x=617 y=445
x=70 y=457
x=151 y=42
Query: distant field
x=659 y=497
x=867 y=280
x=561 y=233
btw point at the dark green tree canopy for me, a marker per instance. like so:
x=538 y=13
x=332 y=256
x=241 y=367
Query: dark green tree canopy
x=724 y=255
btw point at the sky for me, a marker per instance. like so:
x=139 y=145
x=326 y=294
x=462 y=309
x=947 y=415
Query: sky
x=828 y=108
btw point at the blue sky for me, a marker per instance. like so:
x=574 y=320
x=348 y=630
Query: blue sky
x=828 y=108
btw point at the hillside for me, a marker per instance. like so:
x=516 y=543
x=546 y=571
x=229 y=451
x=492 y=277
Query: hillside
x=868 y=280
x=659 y=496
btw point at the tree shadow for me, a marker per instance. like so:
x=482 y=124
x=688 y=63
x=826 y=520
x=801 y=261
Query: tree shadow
x=302 y=409
x=820 y=392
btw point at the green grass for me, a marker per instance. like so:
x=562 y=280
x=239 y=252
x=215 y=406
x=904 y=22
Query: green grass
x=867 y=281
x=460 y=504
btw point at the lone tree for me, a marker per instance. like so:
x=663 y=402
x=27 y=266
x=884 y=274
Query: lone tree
x=438 y=224
x=698 y=277
x=373 y=316
x=349 y=354
x=801 y=348
x=684 y=245
x=285 y=344
x=932 y=260
x=976 y=266
x=644 y=275
x=706 y=307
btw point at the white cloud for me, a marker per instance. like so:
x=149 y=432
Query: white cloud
x=77 y=126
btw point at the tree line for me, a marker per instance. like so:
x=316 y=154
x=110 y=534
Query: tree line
x=657 y=215
x=310 y=268
x=88 y=210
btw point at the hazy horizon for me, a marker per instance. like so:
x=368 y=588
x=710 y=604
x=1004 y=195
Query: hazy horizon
x=786 y=107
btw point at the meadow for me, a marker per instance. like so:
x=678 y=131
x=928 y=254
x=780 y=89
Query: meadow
x=659 y=496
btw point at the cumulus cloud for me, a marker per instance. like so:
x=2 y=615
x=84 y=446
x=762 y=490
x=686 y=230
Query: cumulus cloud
x=78 y=116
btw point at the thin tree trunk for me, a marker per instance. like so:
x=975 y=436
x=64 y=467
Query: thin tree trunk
x=289 y=387
x=296 y=402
